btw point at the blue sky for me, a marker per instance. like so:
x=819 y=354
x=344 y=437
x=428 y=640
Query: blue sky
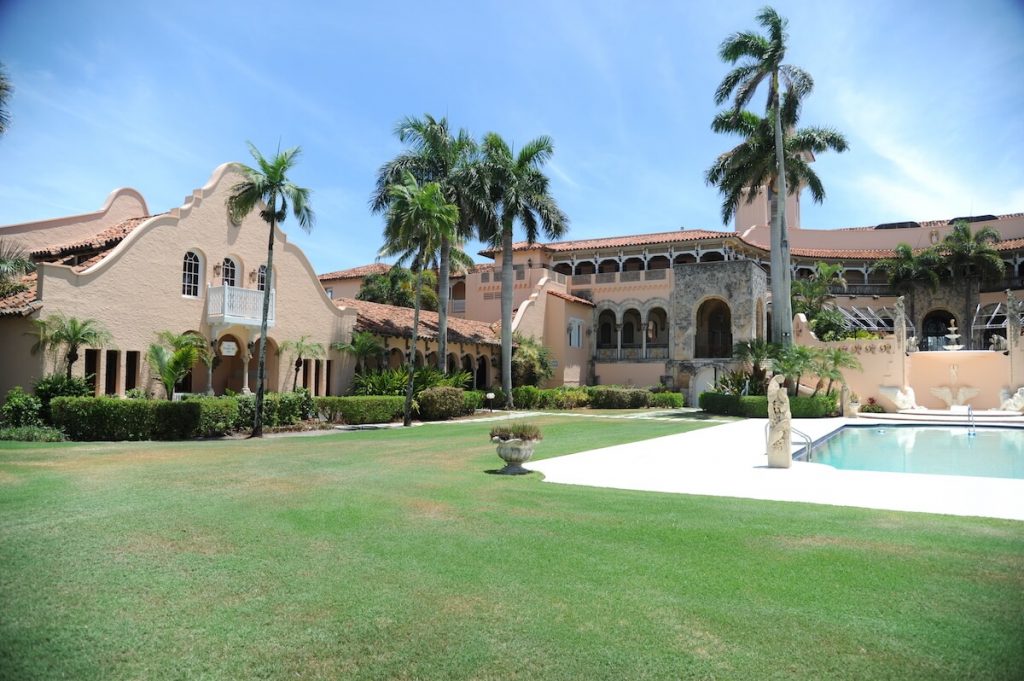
x=155 y=95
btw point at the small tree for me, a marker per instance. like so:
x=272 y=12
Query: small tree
x=757 y=355
x=363 y=346
x=828 y=363
x=58 y=332
x=174 y=357
x=531 y=362
x=302 y=349
x=793 y=362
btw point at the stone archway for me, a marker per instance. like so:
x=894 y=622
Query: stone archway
x=934 y=329
x=482 y=369
x=714 y=329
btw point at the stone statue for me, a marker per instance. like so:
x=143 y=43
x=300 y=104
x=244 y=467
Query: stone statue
x=903 y=399
x=997 y=343
x=779 y=435
x=1013 y=402
x=952 y=395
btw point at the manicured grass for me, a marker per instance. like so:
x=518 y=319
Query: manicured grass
x=391 y=554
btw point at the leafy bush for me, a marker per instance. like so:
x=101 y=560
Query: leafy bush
x=217 y=415
x=667 y=400
x=531 y=363
x=719 y=403
x=106 y=418
x=20 y=408
x=517 y=431
x=394 y=381
x=733 y=382
x=814 y=407
x=305 y=403
x=32 y=434
x=441 y=403
x=59 y=385
x=359 y=409
x=756 y=406
x=137 y=394
x=526 y=396
x=472 y=400
x=608 y=397
x=563 y=398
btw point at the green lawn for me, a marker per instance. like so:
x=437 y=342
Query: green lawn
x=391 y=554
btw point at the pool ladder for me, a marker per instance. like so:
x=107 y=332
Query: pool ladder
x=972 y=426
x=808 y=443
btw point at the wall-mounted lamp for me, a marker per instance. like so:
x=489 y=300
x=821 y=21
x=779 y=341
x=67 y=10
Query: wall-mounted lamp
x=252 y=276
x=216 y=269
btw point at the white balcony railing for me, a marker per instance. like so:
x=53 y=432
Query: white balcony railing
x=234 y=305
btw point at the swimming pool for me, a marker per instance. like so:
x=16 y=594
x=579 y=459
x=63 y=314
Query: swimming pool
x=933 y=450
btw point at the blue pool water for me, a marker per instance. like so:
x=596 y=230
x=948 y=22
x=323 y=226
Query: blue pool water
x=991 y=453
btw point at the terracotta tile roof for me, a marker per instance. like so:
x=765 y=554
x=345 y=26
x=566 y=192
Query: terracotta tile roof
x=356 y=272
x=571 y=298
x=869 y=253
x=388 y=320
x=23 y=302
x=108 y=238
x=928 y=224
x=616 y=241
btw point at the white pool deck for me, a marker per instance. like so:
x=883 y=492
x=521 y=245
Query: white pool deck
x=728 y=460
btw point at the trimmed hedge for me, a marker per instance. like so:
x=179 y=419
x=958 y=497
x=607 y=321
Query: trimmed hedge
x=472 y=400
x=756 y=406
x=441 y=403
x=107 y=418
x=360 y=409
x=279 y=409
x=667 y=400
x=20 y=409
x=217 y=415
x=602 y=397
x=526 y=396
x=32 y=434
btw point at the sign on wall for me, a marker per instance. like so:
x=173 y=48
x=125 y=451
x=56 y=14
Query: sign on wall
x=228 y=348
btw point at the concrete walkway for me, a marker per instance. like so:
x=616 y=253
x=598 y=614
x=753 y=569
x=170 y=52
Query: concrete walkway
x=728 y=460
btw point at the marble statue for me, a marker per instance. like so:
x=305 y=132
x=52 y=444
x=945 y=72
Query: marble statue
x=1013 y=402
x=780 y=454
x=903 y=399
x=997 y=343
x=951 y=394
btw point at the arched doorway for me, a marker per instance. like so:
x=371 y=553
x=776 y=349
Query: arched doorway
x=228 y=370
x=631 y=333
x=714 y=329
x=396 y=358
x=481 y=373
x=606 y=337
x=934 y=329
x=657 y=333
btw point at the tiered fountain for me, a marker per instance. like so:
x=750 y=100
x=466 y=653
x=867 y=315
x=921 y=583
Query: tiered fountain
x=953 y=337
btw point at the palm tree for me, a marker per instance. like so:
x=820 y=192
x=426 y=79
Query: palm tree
x=396 y=287
x=268 y=188
x=971 y=257
x=302 y=349
x=810 y=295
x=419 y=218
x=363 y=346
x=58 y=331
x=435 y=154
x=908 y=272
x=828 y=363
x=792 y=362
x=5 y=96
x=762 y=61
x=758 y=354
x=174 y=356
x=14 y=262
x=518 y=191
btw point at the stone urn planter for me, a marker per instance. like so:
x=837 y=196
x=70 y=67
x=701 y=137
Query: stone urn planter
x=515 y=446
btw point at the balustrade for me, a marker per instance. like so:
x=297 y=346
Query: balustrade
x=234 y=305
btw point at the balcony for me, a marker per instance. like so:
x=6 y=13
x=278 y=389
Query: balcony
x=633 y=353
x=228 y=305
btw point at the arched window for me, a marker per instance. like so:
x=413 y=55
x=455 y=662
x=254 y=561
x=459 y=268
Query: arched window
x=190 y=275
x=261 y=282
x=229 y=272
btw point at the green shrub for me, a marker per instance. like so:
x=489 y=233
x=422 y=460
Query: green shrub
x=59 y=385
x=517 y=431
x=440 y=403
x=107 y=418
x=137 y=394
x=753 y=406
x=217 y=415
x=526 y=397
x=667 y=400
x=246 y=412
x=563 y=398
x=20 y=409
x=305 y=403
x=32 y=434
x=756 y=406
x=719 y=403
x=359 y=409
x=816 y=407
x=472 y=400
x=613 y=397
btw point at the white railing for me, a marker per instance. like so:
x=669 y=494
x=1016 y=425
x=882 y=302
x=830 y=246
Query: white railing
x=234 y=305
x=457 y=305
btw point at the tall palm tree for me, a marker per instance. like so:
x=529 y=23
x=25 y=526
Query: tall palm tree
x=6 y=90
x=268 y=188
x=810 y=295
x=518 y=192
x=70 y=333
x=14 y=262
x=302 y=349
x=971 y=257
x=436 y=154
x=419 y=218
x=760 y=58
x=396 y=287
x=363 y=346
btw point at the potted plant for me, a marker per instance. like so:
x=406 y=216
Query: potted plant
x=515 y=445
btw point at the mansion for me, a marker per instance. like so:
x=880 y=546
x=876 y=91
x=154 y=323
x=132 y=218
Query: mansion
x=638 y=310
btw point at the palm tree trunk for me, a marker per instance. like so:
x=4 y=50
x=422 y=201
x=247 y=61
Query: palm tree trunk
x=443 y=287
x=261 y=365
x=507 y=291
x=407 y=410
x=70 y=359
x=782 y=307
x=295 y=378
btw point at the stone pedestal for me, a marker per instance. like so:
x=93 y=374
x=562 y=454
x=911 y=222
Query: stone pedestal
x=779 y=432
